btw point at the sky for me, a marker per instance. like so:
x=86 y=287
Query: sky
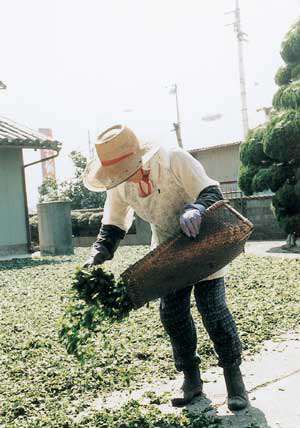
x=80 y=66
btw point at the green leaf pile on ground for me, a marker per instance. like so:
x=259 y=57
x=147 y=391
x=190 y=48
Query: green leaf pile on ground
x=95 y=296
x=42 y=386
x=133 y=415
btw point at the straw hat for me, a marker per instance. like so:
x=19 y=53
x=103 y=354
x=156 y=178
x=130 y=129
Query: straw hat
x=119 y=156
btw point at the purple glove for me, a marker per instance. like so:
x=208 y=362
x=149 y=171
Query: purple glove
x=190 y=222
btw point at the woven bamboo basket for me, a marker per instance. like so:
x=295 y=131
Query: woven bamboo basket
x=183 y=261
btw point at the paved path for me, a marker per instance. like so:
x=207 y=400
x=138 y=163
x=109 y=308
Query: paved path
x=270 y=248
x=272 y=379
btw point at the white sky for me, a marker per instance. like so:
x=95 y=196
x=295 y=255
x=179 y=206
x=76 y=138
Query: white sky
x=77 y=65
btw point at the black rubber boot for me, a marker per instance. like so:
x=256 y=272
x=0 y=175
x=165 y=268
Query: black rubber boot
x=192 y=387
x=237 y=397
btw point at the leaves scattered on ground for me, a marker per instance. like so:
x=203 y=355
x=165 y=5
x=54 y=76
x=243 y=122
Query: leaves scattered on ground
x=42 y=386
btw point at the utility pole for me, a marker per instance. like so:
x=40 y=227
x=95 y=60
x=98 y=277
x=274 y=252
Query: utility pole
x=177 y=125
x=91 y=150
x=241 y=37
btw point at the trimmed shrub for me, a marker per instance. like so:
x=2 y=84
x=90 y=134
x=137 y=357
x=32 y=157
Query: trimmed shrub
x=280 y=173
x=245 y=179
x=295 y=72
x=287 y=198
x=252 y=150
x=95 y=223
x=277 y=97
x=282 y=137
x=83 y=223
x=262 y=180
x=283 y=75
x=297 y=189
x=290 y=47
x=279 y=142
x=288 y=97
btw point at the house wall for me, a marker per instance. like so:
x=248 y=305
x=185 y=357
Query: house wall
x=221 y=163
x=13 y=235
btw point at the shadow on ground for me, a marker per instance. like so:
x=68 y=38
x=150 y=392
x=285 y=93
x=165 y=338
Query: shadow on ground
x=284 y=249
x=31 y=262
x=251 y=417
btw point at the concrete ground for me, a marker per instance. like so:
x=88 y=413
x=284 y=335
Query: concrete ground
x=272 y=379
x=271 y=248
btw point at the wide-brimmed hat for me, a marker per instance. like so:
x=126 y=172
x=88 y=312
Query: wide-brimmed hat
x=119 y=156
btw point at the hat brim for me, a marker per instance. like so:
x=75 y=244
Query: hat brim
x=98 y=178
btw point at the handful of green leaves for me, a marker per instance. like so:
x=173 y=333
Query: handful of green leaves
x=96 y=301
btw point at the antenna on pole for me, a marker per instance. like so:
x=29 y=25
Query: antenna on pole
x=241 y=37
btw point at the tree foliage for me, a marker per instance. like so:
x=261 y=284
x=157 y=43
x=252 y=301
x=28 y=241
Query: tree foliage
x=270 y=156
x=287 y=97
x=290 y=47
x=283 y=75
x=72 y=190
x=252 y=152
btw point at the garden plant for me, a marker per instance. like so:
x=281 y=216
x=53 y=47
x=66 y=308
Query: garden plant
x=73 y=189
x=270 y=155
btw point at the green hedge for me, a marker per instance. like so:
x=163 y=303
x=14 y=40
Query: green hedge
x=84 y=223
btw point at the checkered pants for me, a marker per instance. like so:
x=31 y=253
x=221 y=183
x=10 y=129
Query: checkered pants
x=176 y=318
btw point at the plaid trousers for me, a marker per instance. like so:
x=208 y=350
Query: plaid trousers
x=175 y=315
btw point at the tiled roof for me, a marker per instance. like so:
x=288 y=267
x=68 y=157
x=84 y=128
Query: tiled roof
x=220 y=146
x=13 y=135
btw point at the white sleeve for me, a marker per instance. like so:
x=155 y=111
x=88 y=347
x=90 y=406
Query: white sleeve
x=116 y=211
x=190 y=173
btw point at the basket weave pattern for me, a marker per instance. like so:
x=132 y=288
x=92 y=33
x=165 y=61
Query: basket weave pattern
x=182 y=261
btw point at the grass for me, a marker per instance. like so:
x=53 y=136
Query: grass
x=42 y=386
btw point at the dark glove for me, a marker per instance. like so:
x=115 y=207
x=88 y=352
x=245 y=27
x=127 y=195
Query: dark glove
x=99 y=254
x=191 y=219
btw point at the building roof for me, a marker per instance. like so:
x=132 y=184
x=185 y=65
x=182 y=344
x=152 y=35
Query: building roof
x=220 y=146
x=14 y=135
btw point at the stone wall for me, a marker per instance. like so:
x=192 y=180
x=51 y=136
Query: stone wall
x=258 y=210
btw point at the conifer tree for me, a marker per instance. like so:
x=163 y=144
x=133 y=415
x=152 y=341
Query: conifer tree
x=270 y=156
